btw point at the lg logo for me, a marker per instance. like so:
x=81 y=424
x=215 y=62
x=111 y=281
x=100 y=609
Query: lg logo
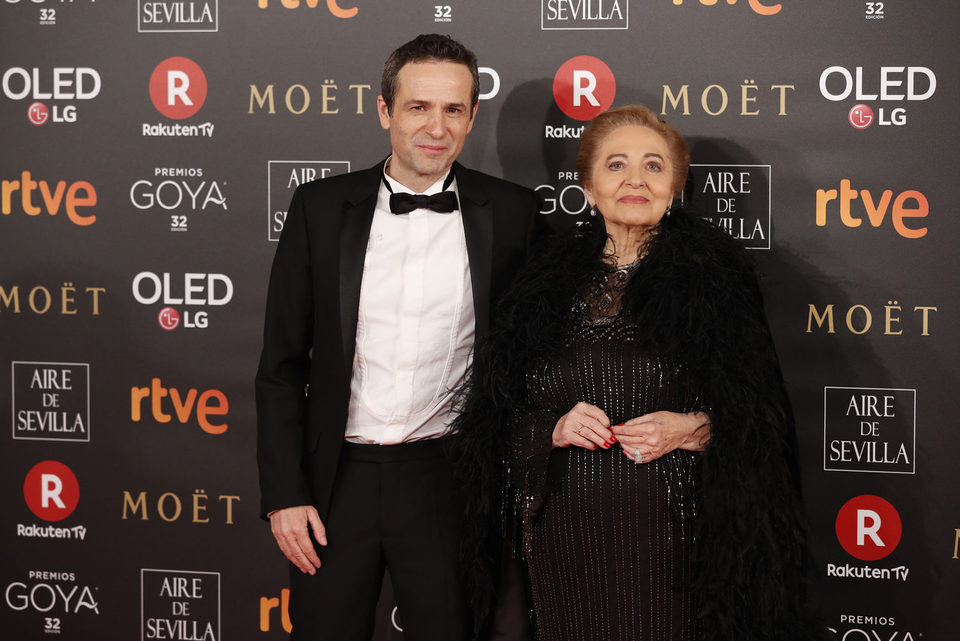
x=584 y=87
x=51 y=491
x=178 y=87
x=868 y=527
x=861 y=116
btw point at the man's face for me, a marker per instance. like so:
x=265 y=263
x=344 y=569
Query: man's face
x=431 y=118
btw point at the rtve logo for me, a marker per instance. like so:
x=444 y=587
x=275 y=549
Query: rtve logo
x=209 y=403
x=178 y=87
x=875 y=209
x=332 y=6
x=584 y=87
x=51 y=490
x=78 y=194
x=757 y=6
x=868 y=527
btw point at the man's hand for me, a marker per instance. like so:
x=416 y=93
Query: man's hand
x=289 y=527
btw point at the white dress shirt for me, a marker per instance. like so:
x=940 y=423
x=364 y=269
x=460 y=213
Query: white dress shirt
x=416 y=323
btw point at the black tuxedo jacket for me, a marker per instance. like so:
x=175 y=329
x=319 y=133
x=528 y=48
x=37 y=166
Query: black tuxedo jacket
x=303 y=382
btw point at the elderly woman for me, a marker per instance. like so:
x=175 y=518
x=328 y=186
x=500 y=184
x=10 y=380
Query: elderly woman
x=627 y=433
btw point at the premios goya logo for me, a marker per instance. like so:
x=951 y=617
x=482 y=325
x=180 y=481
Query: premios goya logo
x=49 y=11
x=51 y=401
x=53 y=93
x=180 y=193
x=55 y=598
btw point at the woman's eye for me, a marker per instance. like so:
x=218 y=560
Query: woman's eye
x=653 y=166
x=616 y=164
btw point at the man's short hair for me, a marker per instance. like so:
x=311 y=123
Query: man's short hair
x=427 y=47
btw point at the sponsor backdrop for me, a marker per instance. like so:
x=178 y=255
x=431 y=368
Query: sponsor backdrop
x=149 y=153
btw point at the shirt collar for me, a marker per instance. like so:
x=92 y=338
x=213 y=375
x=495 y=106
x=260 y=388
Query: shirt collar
x=399 y=188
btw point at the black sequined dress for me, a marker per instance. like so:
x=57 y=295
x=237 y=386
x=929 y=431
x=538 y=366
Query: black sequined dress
x=606 y=541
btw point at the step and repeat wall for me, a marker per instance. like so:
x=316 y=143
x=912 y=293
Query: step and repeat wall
x=150 y=149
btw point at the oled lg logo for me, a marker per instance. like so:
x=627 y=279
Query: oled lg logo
x=583 y=88
x=62 y=83
x=178 y=89
x=868 y=528
x=196 y=290
x=894 y=85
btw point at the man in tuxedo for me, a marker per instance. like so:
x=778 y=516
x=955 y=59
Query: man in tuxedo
x=381 y=283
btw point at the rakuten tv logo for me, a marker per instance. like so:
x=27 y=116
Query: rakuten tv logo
x=584 y=87
x=868 y=527
x=51 y=491
x=178 y=87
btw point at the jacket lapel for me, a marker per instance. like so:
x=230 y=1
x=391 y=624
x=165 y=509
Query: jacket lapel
x=357 y=216
x=477 y=212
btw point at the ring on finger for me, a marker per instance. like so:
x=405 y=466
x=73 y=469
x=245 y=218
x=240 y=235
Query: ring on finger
x=637 y=456
x=579 y=429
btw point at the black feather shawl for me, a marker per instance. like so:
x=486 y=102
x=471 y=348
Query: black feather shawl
x=696 y=297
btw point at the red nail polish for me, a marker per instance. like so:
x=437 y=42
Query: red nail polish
x=613 y=439
x=606 y=445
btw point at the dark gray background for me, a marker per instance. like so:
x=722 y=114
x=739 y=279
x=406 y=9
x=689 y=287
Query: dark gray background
x=811 y=147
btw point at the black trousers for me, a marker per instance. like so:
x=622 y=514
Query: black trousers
x=396 y=507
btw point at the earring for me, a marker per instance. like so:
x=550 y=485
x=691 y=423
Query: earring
x=593 y=210
x=669 y=209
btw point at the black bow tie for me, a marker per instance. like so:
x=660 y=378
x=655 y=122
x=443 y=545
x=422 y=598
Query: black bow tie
x=443 y=202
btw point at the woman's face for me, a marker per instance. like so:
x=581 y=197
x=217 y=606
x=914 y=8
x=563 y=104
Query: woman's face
x=632 y=179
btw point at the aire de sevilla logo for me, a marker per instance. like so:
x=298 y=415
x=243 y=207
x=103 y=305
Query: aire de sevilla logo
x=51 y=491
x=584 y=87
x=178 y=87
x=868 y=527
